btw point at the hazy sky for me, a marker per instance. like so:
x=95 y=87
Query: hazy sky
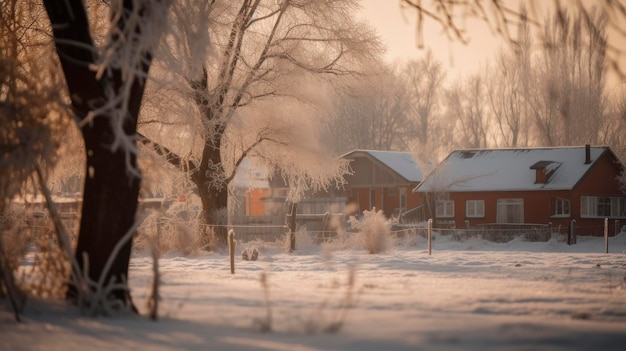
x=396 y=27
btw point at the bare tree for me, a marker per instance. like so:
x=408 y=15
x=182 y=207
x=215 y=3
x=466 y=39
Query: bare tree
x=507 y=102
x=566 y=105
x=267 y=54
x=466 y=104
x=370 y=112
x=569 y=104
x=32 y=119
x=424 y=81
x=612 y=130
x=501 y=18
x=105 y=86
x=508 y=87
x=27 y=135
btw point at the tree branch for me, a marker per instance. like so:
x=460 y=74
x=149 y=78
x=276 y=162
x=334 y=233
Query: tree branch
x=170 y=156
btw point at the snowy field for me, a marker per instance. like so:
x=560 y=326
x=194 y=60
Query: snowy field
x=470 y=295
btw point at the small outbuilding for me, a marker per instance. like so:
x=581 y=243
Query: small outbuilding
x=384 y=180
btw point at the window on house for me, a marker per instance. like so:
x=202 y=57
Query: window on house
x=444 y=208
x=372 y=198
x=510 y=211
x=475 y=208
x=560 y=207
x=402 y=198
x=602 y=206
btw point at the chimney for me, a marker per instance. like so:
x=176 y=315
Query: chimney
x=540 y=175
x=587 y=154
x=542 y=172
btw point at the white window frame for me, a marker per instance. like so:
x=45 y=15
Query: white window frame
x=561 y=208
x=444 y=209
x=590 y=206
x=503 y=205
x=475 y=208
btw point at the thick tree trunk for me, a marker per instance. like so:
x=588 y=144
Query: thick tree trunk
x=111 y=189
x=109 y=206
x=209 y=177
x=214 y=194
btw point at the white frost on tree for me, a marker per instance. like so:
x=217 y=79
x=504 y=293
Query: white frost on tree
x=259 y=91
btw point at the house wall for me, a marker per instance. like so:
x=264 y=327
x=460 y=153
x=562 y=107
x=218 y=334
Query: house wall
x=386 y=199
x=601 y=180
x=359 y=197
x=413 y=200
x=537 y=206
x=370 y=174
x=371 y=178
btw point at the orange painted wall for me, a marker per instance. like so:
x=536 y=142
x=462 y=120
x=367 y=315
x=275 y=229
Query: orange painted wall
x=254 y=204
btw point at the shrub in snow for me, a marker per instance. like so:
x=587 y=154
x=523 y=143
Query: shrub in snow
x=164 y=232
x=303 y=240
x=46 y=277
x=50 y=268
x=14 y=235
x=372 y=231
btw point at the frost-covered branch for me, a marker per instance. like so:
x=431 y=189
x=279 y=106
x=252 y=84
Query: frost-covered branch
x=123 y=61
x=451 y=16
x=170 y=156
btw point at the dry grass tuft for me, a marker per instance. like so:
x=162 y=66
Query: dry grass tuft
x=373 y=232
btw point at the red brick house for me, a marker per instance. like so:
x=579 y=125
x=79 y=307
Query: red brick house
x=532 y=185
x=382 y=179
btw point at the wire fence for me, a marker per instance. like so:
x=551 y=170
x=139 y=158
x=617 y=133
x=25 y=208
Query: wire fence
x=39 y=222
x=251 y=232
x=499 y=233
x=542 y=233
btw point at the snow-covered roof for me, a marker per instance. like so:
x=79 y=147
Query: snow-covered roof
x=510 y=169
x=400 y=162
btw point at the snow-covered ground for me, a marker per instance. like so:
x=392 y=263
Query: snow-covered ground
x=470 y=295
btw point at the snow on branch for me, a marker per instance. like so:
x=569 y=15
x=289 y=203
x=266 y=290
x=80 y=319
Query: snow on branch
x=123 y=63
x=284 y=137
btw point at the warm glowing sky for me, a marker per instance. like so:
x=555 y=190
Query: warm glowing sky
x=397 y=29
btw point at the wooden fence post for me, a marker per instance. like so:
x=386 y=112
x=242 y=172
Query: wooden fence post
x=231 y=250
x=571 y=235
x=606 y=235
x=430 y=236
x=292 y=226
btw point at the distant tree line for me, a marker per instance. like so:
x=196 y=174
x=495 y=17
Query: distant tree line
x=552 y=93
